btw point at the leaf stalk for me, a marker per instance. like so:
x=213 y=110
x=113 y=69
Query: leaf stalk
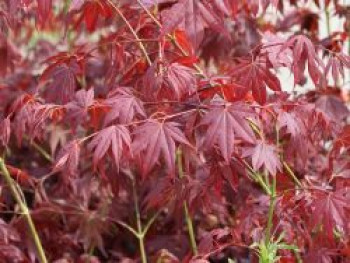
x=188 y=218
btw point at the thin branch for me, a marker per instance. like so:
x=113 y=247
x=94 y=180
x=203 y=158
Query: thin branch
x=40 y=149
x=126 y=226
x=271 y=211
x=14 y=188
x=291 y=174
x=186 y=211
x=139 y=225
x=150 y=222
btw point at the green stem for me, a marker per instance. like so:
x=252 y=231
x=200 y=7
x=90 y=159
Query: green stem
x=328 y=22
x=257 y=177
x=24 y=210
x=140 y=232
x=271 y=211
x=190 y=230
x=188 y=218
x=40 y=149
x=291 y=173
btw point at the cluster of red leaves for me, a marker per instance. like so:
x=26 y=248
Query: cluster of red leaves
x=173 y=102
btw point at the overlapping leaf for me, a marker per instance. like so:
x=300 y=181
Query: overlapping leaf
x=115 y=138
x=154 y=140
x=169 y=81
x=225 y=124
x=335 y=66
x=331 y=210
x=91 y=10
x=68 y=158
x=255 y=75
x=264 y=155
x=62 y=80
x=195 y=16
x=124 y=107
x=304 y=50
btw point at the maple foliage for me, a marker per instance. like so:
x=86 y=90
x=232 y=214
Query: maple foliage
x=169 y=131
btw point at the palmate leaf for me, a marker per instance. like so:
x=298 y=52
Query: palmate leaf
x=124 y=107
x=91 y=10
x=332 y=107
x=195 y=16
x=264 y=155
x=304 y=50
x=255 y=75
x=331 y=210
x=115 y=138
x=335 y=66
x=63 y=82
x=68 y=158
x=224 y=124
x=78 y=108
x=155 y=139
x=169 y=81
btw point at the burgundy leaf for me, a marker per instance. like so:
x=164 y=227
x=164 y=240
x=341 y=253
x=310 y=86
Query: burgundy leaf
x=304 y=50
x=195 y=16
x=335 y=66
x=265 y=155
x=115 y=138
x=124 y=107
x=91 y=10
x=68 y=158
x=333 y=107
x=5 y=131
x=331 y=210
x=63 y=81
x=224 y=124
x=255 y=75
x=155 y=139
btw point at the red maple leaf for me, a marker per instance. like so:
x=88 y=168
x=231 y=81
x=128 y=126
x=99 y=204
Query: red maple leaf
x=255 y=75
x=195 y=16
x=332 y=107
x=167 y=81
x=304 y=50
x=78 y=108
x=343 y=139
x=115 y=138
x=155 y=139
x=124 y=107
x=62 y=79
x=335 y=66
x=5 y=131
x=264 y=155
x=91 y=10
x=68 y=158
x=225 y=123
x=331 y=210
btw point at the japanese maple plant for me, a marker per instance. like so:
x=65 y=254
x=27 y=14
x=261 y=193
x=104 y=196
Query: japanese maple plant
x=174 y=131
